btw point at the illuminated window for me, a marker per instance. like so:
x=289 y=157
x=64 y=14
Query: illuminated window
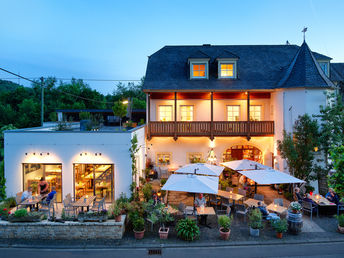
x=227 y=69
x=233 y=113
x=195 y=157
x=186 y=113
x=165 y=113
x=255 y=113
x=198 y=70
x=163 y=158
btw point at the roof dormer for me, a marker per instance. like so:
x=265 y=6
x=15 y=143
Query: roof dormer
x=227 y=65
x=199 y=65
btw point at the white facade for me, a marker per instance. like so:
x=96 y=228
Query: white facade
x=65 y=148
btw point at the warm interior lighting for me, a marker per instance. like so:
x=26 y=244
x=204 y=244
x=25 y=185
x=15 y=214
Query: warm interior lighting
x=198 y=70
x=211 y=156
x=212 y=144
x=227 y=70
x=316 y=148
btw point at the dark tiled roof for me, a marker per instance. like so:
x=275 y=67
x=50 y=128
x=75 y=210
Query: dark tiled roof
x=227 y=54
x=304 y=71
x=337 y=72
x=259 y=67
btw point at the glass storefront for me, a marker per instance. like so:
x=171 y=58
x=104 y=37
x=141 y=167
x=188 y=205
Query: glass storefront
x=94 y=179
x=52 y=173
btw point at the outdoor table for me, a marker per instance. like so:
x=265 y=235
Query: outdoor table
x=276 y=208
x=31 y=202
x=253 y=202
x=232 y=196
x=205 y=211
x=84 y=202
x=171 y=210
x=321 y=201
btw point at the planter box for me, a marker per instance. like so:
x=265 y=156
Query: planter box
x=97 y=218
x=25 y=219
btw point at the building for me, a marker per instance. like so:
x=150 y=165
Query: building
x=229 y=102
x=75 y=162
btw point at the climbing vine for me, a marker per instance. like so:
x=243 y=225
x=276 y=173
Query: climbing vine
x=134 y=148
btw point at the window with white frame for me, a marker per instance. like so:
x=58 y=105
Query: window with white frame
x=186 y=113
x=325 y=67
x=195 y=157
x=165 y=113
x=233 y=113
x=255 y=113
x=227 y=69
x=163 y=159
x=198 y=70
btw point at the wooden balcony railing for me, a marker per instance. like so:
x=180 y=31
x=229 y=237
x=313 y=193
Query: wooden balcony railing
x=204 y=128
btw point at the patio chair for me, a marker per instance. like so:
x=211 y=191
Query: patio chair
x=340 y=207
x=229 y=189
x=49 y=207
x=278 y=201
x=242 y=210
x=68 y=205
x=242 y=192
x=225 y=203
x=98 y=205
x=310 y=207
x=18 y=200
x=213 y=201
x=259 y=197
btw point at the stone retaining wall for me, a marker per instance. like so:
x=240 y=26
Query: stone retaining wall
x=67 y=230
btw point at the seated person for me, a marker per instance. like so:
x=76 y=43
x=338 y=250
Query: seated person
x=156 y=199
x=27 y=194
x=266 y=214
x=332 y=196
x=297 y=195
x=200 y=201
x=50 y=195
x=309 y=199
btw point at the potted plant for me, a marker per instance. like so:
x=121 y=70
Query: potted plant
x=255 y=222
x=225 y=226
x=294 y=217
x=139 y=227
x=295 y=207
x=4 y=213
x=117 y=212
x=187 y=229
x=340 y=220
x=280 y=226
x=22 y=215
x=164 y=217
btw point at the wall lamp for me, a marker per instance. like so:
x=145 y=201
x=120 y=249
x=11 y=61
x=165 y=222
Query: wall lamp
x=83 y=153
x=98 y=154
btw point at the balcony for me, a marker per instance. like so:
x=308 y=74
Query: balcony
x=209 y=129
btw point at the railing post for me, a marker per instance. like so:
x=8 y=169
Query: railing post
x=211 y=116
x=248 y=116
x=175 y=137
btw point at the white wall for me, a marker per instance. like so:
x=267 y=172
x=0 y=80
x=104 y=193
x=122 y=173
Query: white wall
x=65 y=148
x=184 y=145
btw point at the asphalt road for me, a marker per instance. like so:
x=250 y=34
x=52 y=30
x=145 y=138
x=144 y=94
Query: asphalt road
x=285 y=250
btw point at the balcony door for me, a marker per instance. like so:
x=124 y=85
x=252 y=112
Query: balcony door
x=94 y=179
x=239 y=152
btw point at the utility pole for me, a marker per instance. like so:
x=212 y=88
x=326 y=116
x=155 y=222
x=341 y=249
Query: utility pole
x=42 y=101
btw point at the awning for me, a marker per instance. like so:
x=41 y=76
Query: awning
x=201 y=169
x=192 y=183
x=270 y=177
x=244 y=164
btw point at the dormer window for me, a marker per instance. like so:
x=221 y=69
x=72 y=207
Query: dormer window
x=199 y=69
x=324 y=65
x=227 y=69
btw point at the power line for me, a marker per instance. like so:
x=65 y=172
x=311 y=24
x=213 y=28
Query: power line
x=68 y=79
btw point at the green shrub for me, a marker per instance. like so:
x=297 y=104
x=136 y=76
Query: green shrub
x=187 y=229
x=147 y=191
x=139 y=224
x=20 y=213
x=340 y=220
x=224 y=184
x=280 y=225
x=10 y=202
x=288 y=196
x=225 y=222
x=255 y=219
x=163 y=181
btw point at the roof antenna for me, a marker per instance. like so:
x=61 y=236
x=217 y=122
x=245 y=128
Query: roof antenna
x=304 y=33
x=287 y=43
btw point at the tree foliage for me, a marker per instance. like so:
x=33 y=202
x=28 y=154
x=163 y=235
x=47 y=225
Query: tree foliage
x=298 y=148
x=336 y=181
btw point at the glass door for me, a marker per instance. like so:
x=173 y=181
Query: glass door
x=103 y=181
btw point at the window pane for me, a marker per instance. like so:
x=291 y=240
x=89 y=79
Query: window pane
x=186 y=113
x=103 y=182
x=164 y=158
x=233 y=113
x=198 y=70
x=165 y=113
x=227 y=70
x=255 y=113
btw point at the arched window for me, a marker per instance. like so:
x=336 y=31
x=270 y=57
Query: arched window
x=243 y=152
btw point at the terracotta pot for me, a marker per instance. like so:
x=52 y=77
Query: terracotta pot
x=118 y=218
x=279 y=235
x=163 y=234
x=224 y=235
x=340 y=229
x=139 y=234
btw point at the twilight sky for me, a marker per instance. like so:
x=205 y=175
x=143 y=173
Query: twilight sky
x=110 y=40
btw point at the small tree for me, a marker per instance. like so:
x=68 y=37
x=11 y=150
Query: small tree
x=120 y=110
x=298 y=149
x=336 y=181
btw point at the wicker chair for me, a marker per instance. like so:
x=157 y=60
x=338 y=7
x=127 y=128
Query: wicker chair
x=49 y=207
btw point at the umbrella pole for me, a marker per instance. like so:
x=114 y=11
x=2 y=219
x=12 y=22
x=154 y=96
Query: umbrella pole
x=255 y=187
x=194 y=202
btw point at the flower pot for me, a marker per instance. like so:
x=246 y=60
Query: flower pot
x=340 y=229
x=224 y=235
x=279 y=235
x=163 y=233
x=139 y=234
x=118 y=218
x=254 y=232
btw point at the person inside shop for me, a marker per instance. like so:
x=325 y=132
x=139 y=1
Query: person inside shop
x=43 y=187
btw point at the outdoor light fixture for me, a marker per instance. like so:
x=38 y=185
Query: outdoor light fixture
x=34 y=153
x=212 y=144
x=25 y=153
x=98 y=154
x=124 y=102
x=316 y=148
x=211 y=156
x=83 y=153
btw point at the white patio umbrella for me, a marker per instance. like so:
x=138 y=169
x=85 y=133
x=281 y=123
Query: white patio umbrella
x=244 y=164
x=201 y=169
x=270 y=177
x=192 y=183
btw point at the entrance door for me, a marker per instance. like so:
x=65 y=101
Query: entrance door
x=94 y=179
x=243 y=152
